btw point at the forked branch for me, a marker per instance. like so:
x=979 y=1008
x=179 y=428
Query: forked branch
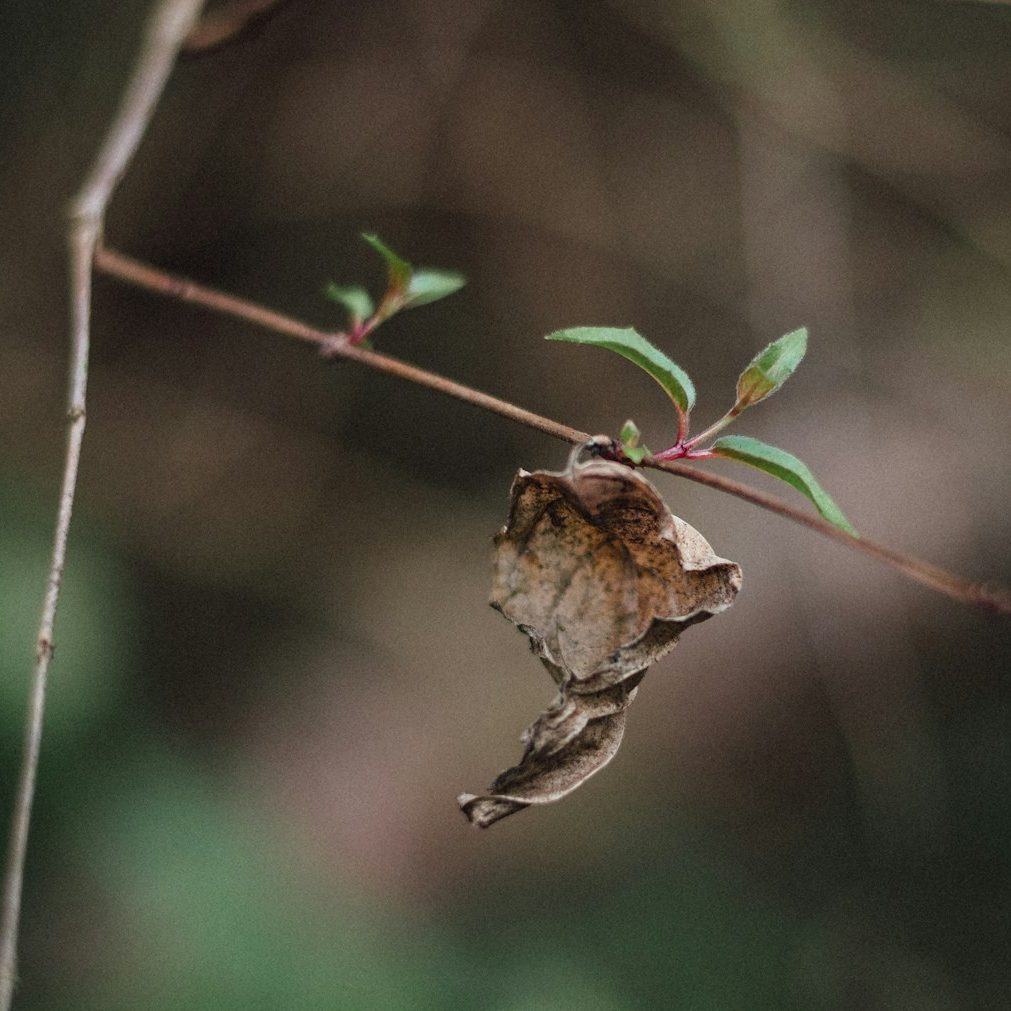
x=170 y=22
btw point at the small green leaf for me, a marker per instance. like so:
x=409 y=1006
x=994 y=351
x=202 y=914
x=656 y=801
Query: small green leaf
x=353 y=297
x=398 y=269
x=629 y=433
x=631 y=345
x=787 y=468
x=427 y=285
x=629 y=437
x=770 y=368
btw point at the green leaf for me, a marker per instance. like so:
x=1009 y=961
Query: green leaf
x=787 y=468
x=629 y=433
x=770 y=368
x=353 y=297
x=631 y=345
x=629 y=437
x=427 y=285
x=398 y=269
x=410 y=287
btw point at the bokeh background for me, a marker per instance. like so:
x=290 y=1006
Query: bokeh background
x=275 y=664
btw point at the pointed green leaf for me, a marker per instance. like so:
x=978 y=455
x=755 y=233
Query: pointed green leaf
x=398 y=269
x=629 y=437
x=427 y=285
x=629 y=433
x=353 y=297
x=770 y=368
x=631 y=345
x=787 y=468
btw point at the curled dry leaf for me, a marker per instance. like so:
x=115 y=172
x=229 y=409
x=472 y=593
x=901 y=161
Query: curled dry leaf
x=595 y=569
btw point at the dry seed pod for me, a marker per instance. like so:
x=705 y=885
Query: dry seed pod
x=602 y=578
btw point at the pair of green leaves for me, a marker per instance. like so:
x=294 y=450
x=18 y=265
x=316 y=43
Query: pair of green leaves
x=407 y=288
x=764 y=375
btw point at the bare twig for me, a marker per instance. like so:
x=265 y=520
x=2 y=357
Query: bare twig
x=989 y=597
x=228 y=22
x=168 y=26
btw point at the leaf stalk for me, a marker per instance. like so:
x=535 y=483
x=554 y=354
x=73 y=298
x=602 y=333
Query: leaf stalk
x=707 y=434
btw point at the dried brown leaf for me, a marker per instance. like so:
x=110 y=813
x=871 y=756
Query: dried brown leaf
x=602 y=578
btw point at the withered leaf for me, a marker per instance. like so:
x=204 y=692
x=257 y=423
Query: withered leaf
x=595 y=569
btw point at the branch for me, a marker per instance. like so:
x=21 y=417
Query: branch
x=169 y=23
x=226 y=24
x=988 y=597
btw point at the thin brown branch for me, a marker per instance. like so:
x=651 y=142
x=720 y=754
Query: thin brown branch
x=988 y=596
x=109 y=261
x=127 y=269
x=169 y=24
x=227 y=23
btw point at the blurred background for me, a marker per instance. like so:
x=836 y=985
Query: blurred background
x=275 y=664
